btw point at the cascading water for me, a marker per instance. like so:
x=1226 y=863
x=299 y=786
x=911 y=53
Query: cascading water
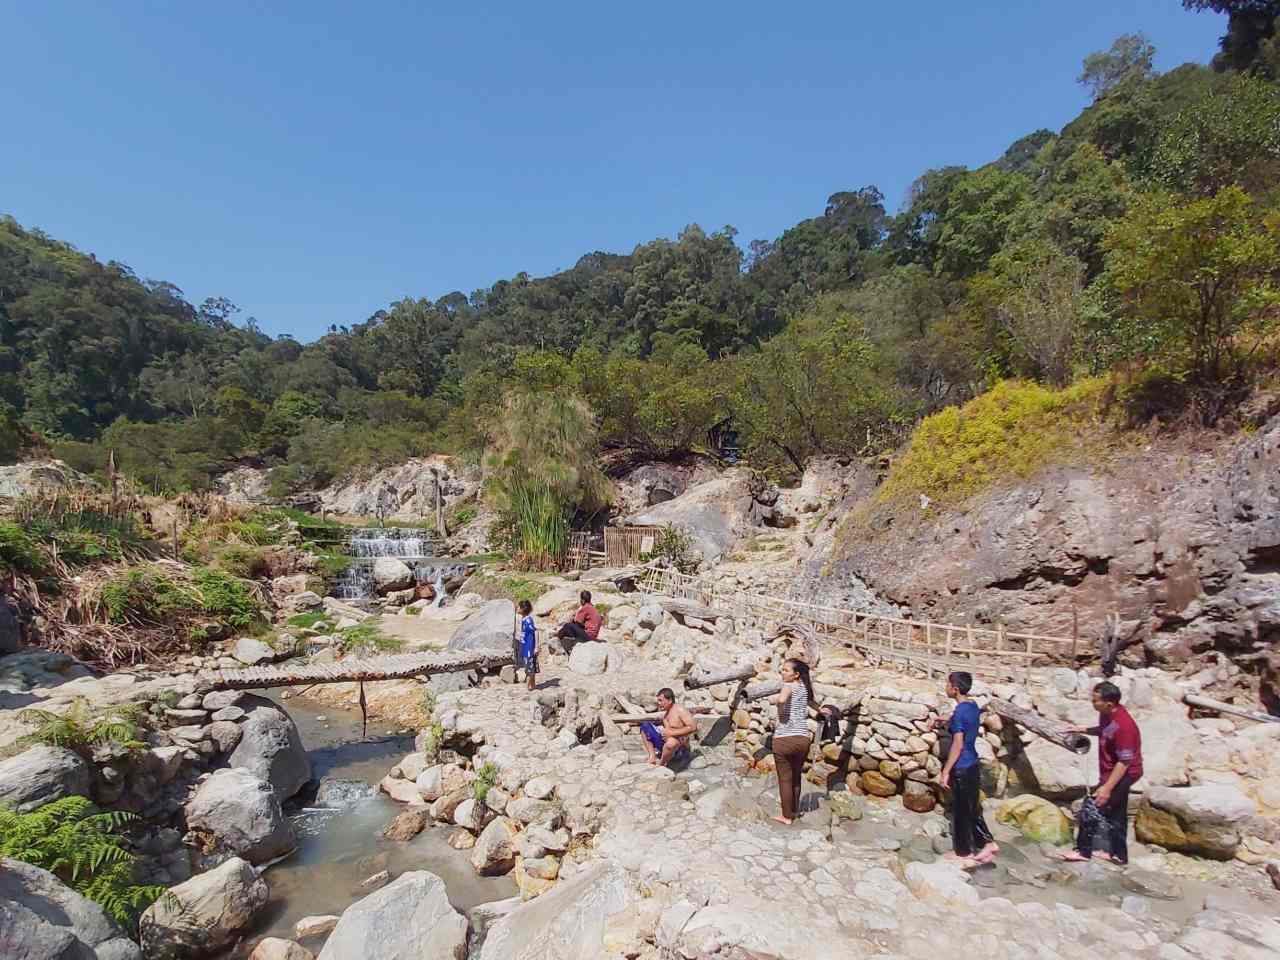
x=409 y=545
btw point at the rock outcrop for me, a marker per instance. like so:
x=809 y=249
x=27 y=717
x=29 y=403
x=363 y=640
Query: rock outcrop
x=489 y=628
x=408 y=919
x=405 y=491
x=42 y=774
x=243 y=816
x=1205 y=820
x=270 y=748
x=43 y=919
x=203 y=915
x=1185 y=548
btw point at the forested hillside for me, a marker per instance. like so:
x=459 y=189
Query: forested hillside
x=1141 y=241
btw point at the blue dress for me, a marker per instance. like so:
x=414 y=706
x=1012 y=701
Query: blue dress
x=528 y=645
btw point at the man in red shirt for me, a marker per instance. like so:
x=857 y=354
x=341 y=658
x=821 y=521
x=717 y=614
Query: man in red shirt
x=585 y=625
x=1119 y=767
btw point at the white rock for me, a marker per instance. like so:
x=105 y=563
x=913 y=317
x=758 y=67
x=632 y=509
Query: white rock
x=409 y=919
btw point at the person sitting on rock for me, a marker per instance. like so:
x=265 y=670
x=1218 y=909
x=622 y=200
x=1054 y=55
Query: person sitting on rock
x=528 y=652
x=584 y=627
x=1119 y=767
x=663 y=742
x=971 y=839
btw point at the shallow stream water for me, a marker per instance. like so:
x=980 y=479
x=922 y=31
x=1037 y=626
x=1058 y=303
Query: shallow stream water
x=341 y=845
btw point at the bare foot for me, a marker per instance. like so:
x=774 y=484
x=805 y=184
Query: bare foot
x=1073 y=857
x=784 y=820
x=653 y=761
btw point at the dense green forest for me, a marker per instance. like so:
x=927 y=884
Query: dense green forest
x=1140 y=242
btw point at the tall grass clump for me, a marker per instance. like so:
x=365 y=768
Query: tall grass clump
x=542 y=469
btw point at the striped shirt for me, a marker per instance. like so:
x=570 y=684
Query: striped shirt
x=796 y=723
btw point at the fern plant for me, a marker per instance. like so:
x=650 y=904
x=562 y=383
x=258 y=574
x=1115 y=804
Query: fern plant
x=82 y=847
x=81 y=731
x=486 y=777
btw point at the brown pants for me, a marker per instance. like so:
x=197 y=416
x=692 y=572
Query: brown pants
x=788 y=758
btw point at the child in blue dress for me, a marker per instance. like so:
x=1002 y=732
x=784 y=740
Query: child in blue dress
x=528 y=642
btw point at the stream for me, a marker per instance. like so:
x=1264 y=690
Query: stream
x=340 y=846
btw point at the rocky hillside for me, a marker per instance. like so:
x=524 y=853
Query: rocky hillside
x=1180 y=540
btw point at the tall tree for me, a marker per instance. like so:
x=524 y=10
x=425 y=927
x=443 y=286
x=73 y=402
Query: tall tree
x=1248 y=43
x=1128 y=58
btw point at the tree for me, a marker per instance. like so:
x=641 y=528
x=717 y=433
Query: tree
x=1231 y=135
x=1248 y=43
x=1195 y=283
x=979 y=211
x=1129 y=58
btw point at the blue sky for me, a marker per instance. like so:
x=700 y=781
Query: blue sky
x=315 y=162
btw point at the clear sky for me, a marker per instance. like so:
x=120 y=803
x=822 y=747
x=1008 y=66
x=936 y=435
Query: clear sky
x=317 y=161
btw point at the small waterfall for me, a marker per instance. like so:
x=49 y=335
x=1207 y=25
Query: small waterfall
x=438 y=586
x=411 y=545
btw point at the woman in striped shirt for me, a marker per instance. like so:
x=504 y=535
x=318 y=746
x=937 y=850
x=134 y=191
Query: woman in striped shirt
x=791 y=738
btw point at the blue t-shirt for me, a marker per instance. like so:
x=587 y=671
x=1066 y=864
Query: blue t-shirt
x=527 y=638
x=964 y=719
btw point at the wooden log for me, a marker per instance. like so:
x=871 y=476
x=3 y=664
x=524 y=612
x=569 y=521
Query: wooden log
x=687 y=608
x=697 y=679
x=1204 y=703
x=1041 y=726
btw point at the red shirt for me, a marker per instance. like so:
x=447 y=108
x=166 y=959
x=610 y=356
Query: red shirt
x=1119 y=742
x=590 y=619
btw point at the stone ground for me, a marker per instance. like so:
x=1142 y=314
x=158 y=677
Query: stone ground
x=716 y=873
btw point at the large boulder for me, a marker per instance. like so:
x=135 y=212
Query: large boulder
x=252 y=651
x=593 y=658
x=1204 y=820
x=1037 y=818
x=242 y=813
x=391 y=574
x=40 y=775
x=489 y=628
x=566 y=922
x=495 y=851
x=203 y=915
x=43 y=919
x=270 y=748
x=408 y=919
x=1050 y=771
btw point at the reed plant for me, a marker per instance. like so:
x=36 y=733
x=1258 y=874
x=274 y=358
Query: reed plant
x=542 y=468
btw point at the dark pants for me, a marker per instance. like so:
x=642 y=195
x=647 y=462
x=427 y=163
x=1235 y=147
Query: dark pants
x=571 y=634
x=788 y=759
x=1115 y=820
x=969 y=831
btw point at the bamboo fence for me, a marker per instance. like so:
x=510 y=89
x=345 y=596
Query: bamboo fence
x=935 y=648
x=624 y=545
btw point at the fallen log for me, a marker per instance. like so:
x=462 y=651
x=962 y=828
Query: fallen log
x=400 y=666
x=1204 y=703
x=706 y=678
x=687 y=608
x=1039 y=725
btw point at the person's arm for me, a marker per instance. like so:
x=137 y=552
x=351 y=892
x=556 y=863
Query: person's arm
x=683 y=726
x=581 y=616
x=783 y=695
x=1089 y=731
x=1103 y=796
x=957 y=746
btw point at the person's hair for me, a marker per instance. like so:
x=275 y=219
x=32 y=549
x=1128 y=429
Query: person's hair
x=668 y=693
x=525 y=607
x=1108 y=691
x=962 y=680
x=802 y=668
x=585 y=596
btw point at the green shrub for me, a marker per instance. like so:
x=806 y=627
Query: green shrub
x=146 y=596
x=434 y=737
x=514 y=589
x=304 y=621
x=463 y=516
x=1009 y=432
x=80 y=845
x=247 y=563
x=486 y=777
x=18 y=552
x=79 y=730
x=227 y=598
x=365 y=639
x=674 y=545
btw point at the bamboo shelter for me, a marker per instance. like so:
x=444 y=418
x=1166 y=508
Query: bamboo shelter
x=624 y=545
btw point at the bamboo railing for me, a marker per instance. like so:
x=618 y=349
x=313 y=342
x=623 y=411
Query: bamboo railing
x=932 y=647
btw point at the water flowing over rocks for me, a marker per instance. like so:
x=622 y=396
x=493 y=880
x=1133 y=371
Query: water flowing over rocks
x=43 y=919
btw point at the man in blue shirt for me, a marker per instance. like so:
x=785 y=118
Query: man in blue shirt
x=973 y=843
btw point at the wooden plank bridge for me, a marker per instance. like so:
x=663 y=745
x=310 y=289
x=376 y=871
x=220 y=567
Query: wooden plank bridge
x=397 y=666
x=934 y=648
